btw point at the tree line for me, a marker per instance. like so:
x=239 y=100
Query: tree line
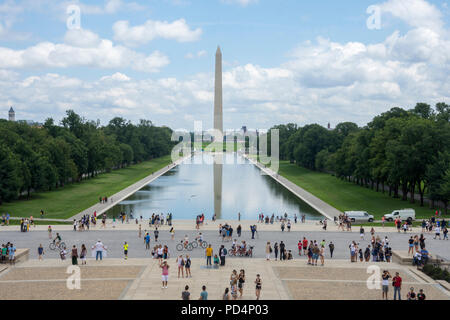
x=407 y=150
x=43 y=158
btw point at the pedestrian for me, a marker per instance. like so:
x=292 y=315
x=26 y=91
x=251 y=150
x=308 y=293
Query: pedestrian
x=40 y=251
x=411 y=295
x=258 y=283
x=156 y=233
x=203 y=294
x=437 y=232
x=185 y=295
x=331 y=247
x=99 y=249
x=140 y=231
x=275 y=249
x=322 y=255
x=361 y=233
x=165 y=274
x=282 y=251
x=209 y=253
x=421 y=295
x=125 y=250
x=385 y=284
x=226 y=294
x=222 y=254
x=74 y=255
x=180 y=264
x=239 y=230
x=83 y=254
x=172 y=233
x=268 y=251
x=397 y=283
x=187 y=267
x=241 y=281
x=147 y=241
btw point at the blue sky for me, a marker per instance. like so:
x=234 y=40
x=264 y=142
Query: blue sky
x=299 y=61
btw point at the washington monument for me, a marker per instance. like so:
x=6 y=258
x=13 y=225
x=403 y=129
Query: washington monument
x=218 y=125
x=218 y=112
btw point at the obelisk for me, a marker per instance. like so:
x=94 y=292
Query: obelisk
x=218 y=125
x=218 y=102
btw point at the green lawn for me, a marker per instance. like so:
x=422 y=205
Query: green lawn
x=346 y=196
x=73 y=198
x=41 y=222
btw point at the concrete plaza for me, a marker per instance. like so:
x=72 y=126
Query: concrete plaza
x=140 y=279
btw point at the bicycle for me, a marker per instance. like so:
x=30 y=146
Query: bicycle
x=181 y=246
x=203 y=244
x=60 y=245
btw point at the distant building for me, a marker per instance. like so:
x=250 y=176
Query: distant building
x=11 y=115
x=244 y=129
x=329 y=126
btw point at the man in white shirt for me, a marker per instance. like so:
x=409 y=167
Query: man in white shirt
x=437 y=232
x=99 y=248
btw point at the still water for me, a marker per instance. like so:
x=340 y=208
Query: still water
x=199 y=185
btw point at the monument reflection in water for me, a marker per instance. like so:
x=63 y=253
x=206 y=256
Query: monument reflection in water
x=199 y=186
x=217 y=167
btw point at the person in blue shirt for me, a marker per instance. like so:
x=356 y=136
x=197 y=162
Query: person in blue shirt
x=203 y=294
x=7 y=219
x=147 y=241
x=425 y=255
x=12 y=253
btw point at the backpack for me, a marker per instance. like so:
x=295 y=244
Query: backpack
x=225 y=251
x=182 y=262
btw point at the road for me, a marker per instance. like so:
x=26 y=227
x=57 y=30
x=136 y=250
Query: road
x=114 y=239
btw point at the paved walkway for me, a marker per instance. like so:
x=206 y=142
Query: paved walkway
x=321 y=206
x=140 y=279
x=125 y=193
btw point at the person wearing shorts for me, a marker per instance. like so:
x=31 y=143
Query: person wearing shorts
x=165 y=274
x=125 y=250
x=12 y=252
x=385 y=284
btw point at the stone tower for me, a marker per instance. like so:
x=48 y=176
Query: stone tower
x=12 y=114
x=218 y=103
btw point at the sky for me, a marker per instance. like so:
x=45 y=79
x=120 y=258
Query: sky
x=283 y=61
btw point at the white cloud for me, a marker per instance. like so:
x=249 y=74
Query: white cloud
x=242 y=3
x=109 y=7
x=116 y=77
x=81 y=48
x=199 y=54
x=416 y=13
x=322 y=81
x=177 y=30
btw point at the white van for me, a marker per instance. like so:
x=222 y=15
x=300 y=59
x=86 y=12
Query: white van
x=403 y=214
x=361 y=216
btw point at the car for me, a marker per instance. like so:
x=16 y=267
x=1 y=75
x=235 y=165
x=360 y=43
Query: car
x=403 y=214
x=359 y=216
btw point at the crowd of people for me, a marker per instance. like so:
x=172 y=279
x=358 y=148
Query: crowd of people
x=8 y=253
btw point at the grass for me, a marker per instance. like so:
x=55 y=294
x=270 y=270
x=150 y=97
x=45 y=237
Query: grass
x=41 y=222
x=65 y=202
x=346 y=196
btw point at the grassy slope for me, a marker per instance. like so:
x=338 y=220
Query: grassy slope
x=345 y=195
x=74 y=198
